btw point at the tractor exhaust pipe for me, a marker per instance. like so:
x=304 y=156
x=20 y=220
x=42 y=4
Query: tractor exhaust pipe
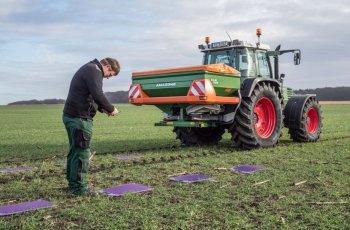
x=276 y=67
x=276 y=63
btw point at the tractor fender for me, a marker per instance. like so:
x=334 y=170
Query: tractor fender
x=293 y=111
x=249 y=84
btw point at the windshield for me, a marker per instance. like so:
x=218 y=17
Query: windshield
x=241 y=59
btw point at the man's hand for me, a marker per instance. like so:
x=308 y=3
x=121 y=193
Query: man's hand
x=115 y=112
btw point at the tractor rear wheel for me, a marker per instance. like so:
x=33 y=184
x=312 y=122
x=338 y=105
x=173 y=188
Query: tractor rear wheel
x=190 y=136
x=258 y=122
x=311 y=123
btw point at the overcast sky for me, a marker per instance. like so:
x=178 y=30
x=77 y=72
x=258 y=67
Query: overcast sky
x=44 y=42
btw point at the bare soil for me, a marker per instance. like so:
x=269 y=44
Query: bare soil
x=335 y=102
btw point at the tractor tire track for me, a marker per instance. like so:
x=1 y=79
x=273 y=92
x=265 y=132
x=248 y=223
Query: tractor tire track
x=143 y=150
x=6 y=178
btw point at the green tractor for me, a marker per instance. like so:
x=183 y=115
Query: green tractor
x=237 y=88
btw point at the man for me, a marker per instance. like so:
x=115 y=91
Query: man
x=85 y=97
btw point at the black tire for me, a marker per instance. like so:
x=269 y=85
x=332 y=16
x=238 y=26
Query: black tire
x=249 y=130
x=199 y=136
x=310 y=126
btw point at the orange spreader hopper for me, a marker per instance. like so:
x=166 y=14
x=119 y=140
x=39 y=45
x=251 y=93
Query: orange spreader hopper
x=216 y=68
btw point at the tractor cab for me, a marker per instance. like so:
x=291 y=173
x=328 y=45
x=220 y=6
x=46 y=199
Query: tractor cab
x=250 y=60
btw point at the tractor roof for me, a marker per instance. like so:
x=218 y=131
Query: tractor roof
x=231 y=44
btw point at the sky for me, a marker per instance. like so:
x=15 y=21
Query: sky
x=44 y=42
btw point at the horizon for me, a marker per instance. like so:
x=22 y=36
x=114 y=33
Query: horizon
x=125 y=91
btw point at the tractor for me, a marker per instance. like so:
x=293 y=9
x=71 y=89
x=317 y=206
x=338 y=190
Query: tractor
x=237 y=88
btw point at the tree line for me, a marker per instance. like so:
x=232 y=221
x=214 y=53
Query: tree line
x=38 y=102
x=328 y=93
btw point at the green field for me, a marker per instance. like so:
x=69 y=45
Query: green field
x=34 y=136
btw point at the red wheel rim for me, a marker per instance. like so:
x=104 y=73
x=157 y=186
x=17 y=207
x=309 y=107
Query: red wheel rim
x=264 y=117
x=312 y=120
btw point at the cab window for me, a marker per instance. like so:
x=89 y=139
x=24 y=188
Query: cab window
x=246 y=62
x=264 y=70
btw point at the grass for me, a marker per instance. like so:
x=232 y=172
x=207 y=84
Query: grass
x=34 y=136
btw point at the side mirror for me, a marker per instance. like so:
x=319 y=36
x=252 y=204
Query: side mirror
x=278 y=47
x=282 y=76
x=297 y=58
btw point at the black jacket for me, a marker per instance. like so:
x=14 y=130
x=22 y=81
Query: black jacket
x=85 y=95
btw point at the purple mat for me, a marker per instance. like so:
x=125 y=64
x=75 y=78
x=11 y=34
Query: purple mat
x=191 y=178
x=24 y=207
x=128 y=157
x=15 y=169
x=247 y=168
x=125 y=188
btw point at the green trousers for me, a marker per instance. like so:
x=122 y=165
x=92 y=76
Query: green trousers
x=79 y=135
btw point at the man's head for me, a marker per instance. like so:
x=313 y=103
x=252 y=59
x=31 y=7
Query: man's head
x=110 y=66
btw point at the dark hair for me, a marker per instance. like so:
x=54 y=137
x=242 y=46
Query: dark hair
x=113 y=63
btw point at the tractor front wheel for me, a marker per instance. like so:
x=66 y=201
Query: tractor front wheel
x=190 y=136
x=258 y=122
x=310 y=124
